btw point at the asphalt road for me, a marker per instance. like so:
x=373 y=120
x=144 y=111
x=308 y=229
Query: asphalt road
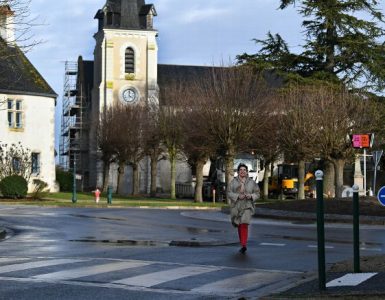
x=75 y=253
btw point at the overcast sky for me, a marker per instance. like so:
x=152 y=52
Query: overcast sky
x=192 y=32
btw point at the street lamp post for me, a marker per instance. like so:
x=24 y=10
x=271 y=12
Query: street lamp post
x=74 y=196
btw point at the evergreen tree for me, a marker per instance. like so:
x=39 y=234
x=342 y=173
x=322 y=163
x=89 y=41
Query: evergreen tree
x=344 y=41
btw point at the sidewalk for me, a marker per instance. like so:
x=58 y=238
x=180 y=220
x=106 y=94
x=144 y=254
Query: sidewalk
x=340 y=283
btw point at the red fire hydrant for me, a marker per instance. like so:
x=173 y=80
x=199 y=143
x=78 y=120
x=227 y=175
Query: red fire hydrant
x=97 y=195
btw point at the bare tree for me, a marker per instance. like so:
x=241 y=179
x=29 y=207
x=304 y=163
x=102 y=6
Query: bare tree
x=266 y=144
x=105 y=133
x=16 y=38
x=152 y=143
x=15 y=160
x=170 y=125
x=16 y=23
x=128 y=141
x=233 y=102
x=297 y=129
x=337 y=113
x=196 y=144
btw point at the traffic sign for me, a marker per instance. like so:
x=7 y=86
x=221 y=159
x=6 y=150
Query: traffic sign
x=362 y=140
x=381 y=196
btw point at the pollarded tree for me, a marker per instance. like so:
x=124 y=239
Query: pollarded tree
x=297 y=129
x=128 y=140
x=233 y=105
x=105 y=133
x=343 y=42
x=197 y=144
x=170 y=124
x=152 y=142
x=337 y=113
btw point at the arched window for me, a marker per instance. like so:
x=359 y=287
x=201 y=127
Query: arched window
x=130 y=60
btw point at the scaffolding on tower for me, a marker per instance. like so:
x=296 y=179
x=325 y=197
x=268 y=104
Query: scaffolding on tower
x=71 y=143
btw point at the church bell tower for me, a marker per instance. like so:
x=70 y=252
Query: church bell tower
x=125 y=62
x=125 y=53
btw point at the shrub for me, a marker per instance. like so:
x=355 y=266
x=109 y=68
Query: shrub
x=14 y=186
x=65 y=180
x=39 y=190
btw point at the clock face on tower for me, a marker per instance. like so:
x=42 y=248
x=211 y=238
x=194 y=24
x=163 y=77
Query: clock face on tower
x=130 y=95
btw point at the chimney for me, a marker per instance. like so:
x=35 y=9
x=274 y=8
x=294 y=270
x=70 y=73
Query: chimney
x=7 y=30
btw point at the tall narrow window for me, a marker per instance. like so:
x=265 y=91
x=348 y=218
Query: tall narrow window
x=130 y=60
x=15 y=113
x=35 y=163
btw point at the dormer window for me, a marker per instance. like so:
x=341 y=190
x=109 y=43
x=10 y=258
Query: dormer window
x=129 y=60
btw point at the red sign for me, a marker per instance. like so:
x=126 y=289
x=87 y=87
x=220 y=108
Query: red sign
x=362 y=140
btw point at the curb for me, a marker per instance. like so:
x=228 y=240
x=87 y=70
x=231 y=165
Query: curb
x=275 y=214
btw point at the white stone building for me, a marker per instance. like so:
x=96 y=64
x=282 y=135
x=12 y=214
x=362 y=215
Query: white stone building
x=27 y=105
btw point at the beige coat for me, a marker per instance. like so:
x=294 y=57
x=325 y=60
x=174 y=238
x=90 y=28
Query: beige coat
x=241 y=211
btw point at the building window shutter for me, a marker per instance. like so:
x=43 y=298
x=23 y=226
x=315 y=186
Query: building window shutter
x=130 y=60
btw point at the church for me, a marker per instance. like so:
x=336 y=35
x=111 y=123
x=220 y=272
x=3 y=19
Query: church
x=125 y=69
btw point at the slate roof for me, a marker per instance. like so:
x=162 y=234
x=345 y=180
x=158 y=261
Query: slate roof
x=132 y=13
x=168 y=73
x=19 y=76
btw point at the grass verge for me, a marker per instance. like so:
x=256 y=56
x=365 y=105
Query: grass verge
x=87 y=200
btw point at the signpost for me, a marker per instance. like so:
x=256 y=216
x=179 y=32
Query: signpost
x=376 y=160
x=381 y=196
x=363 y=141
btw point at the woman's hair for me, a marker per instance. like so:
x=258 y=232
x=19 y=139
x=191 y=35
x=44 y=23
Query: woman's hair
x=242 y=165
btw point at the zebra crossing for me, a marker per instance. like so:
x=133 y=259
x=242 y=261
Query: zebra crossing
x=163 y=277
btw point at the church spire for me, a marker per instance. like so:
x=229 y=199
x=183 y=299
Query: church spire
x=126 y=14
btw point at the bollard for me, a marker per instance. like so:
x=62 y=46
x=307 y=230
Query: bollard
x=109 y=195
x=356 y=230
x=74 y=196
x=320 y=231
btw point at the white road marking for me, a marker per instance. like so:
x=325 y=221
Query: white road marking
x=92 y=270
x=240 y=283
x=272 y=244
x=37 y=264
x=371 y=249
x=12 y=259
x=351 y=279
x=155 y=278
x=315 y=246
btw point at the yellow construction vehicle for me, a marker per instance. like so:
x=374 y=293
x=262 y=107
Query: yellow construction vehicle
x=285 y=183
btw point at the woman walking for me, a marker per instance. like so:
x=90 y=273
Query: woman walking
x=242 y=192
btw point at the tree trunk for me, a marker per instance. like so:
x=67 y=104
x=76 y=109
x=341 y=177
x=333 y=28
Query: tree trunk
x=106 y=173
x=154 y=166
x=199 y=181
x=229 y=170
x=120 y=177
x=329 y=179
x=266 y=175
x=135 y=175
x=339 y=165
x=301 y=180
x=172 y=155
